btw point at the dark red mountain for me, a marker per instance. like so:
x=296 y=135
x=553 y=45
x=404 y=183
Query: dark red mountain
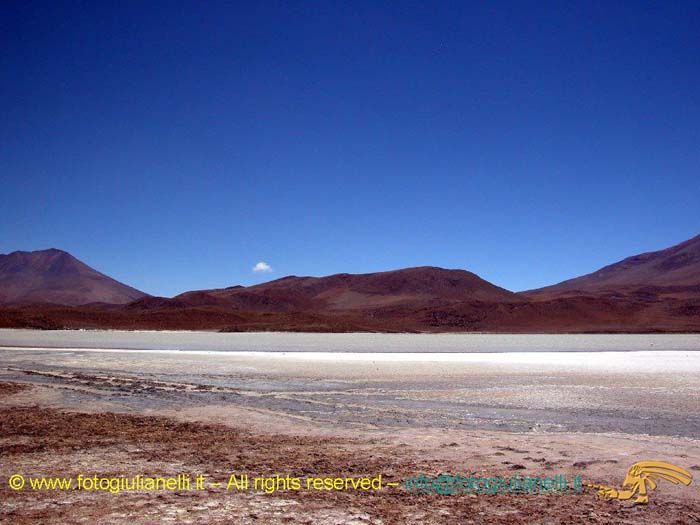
x=420 y=286
x=54 y=276
x=672 y=272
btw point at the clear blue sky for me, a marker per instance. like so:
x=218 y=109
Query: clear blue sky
x=174 y=145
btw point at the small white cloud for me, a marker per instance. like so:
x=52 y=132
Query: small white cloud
x=262 y=267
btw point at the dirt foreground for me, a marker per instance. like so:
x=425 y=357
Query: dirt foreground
x=39 y=441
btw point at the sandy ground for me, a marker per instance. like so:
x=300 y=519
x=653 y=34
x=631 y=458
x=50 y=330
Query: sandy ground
x=63 y=413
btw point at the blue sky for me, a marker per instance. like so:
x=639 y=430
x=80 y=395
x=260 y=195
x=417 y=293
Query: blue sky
x=174 y=145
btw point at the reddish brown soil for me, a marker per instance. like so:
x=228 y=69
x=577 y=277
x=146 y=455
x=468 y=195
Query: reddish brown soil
x=568 y=314
x=52 y=442
x=7 y=389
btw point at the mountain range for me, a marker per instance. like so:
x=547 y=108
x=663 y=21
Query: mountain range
x=651 y=292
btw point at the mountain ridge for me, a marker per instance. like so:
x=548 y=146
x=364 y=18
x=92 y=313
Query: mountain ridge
x=348 y=291
x=56 y=276
x=674 y=270
x=650 y=292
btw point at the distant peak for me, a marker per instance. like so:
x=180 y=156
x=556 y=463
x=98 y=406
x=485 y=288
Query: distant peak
x=47 y=251
x=55 y=276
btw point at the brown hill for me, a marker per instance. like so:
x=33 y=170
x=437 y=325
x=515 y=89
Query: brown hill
x=415 y=287
x=54 y=276
x=672 y=272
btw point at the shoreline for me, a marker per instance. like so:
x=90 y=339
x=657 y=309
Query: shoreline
x=649 y=391
x=505 y=356
x=359 y=332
